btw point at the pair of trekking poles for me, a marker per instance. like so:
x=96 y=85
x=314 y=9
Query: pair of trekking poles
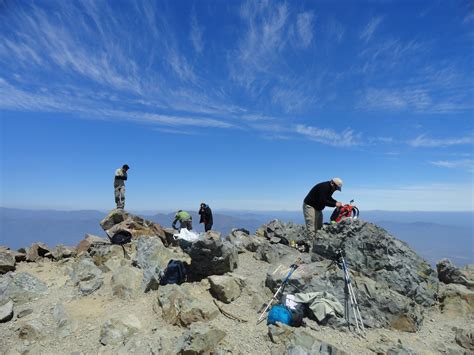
x=349 y=295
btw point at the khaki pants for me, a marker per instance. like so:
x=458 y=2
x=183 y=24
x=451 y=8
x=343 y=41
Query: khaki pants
x=313 y=220
x=120 y=196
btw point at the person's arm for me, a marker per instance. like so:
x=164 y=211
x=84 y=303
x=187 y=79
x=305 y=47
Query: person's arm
x=174 y=222
x=120 y=175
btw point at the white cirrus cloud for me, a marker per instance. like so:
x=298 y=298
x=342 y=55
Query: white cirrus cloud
x=467 y=164
x=346 y=138
x=369 y=30
x=304 y=28
x=196 y=34
x=422 y=141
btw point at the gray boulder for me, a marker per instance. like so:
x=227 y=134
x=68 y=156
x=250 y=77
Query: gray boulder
x=126 y=282
x=380 y=306
x=456 y=300
x=62 y=252
x=86 y=276
x=6 y=311
x=226 y=288
x=243 y=241
x=200 y=339
x=279 y=232
x=181 y=305
x=118 y=331
x=21 y=288
x=450 y=274
x=88 y=241
x=374 y=253
x=7 y=262
x=211 y=257
x=273 y=253
x=63 y=323
x=101 y=253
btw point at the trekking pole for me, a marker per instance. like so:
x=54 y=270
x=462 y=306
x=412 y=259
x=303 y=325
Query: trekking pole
x=293 y=267
x=350 y=298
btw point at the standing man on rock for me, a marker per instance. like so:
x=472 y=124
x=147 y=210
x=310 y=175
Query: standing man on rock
x=119 y=186
x=206 y=216
x=319 y=197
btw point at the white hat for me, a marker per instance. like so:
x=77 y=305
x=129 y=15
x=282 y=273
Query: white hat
x=338 y=182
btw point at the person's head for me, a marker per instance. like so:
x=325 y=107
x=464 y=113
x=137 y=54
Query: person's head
x=336 y=183
x=203 y=205
x=125 y=167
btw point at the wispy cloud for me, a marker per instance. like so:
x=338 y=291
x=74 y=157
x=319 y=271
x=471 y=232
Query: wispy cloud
x=369 y=30
x=336 y=30
x=196 y=34
x=346 y=138
x=467 y=164
x=304 y=27
x=422 y=141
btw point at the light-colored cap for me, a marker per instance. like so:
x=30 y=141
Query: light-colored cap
x=338 y=182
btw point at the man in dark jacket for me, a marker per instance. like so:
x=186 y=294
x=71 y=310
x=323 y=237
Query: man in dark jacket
x=319 y=197
x=206 y=216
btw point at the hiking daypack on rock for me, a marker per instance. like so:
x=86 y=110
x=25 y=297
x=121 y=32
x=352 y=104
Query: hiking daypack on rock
x=121 y=238
x=346 y=211
x=175 y=273
x=279 y=313
x=298 y=310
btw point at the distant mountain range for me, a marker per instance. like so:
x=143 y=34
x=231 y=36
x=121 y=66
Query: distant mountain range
x=434 y=235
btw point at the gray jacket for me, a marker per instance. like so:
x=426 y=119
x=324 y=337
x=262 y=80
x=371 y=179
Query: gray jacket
x=120 y=177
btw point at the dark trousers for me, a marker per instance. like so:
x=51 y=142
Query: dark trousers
x=208 y=227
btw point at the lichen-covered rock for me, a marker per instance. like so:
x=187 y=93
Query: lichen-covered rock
x=7 y=262
x=21 y=288
x=200 y=339
x=126 y=282
x=374 y=253
x=119 y=330
x=181 y=306
x=226 y=288
x=86 y=276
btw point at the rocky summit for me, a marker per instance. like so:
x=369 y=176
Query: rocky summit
x=101 y=298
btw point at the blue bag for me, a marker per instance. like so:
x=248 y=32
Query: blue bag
x=279 y=313
x=175 y=273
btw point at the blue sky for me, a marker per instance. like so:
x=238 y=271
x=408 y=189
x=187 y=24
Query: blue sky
x=244 y=105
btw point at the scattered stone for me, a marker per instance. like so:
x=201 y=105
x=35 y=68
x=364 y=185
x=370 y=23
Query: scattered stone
x=200 y=339
x=125 y=282
x=36 y=251
x=24 y=312
x=87 y=276
x=7 y=262
x=101 y=253
x=226 y=288
x=63 y=323
x=6 y=312
x=62 y=252
x=465 y=338
x=31 y=330
x=118 y=331
x=180 y=306
x=241 y=240
x=21 y=288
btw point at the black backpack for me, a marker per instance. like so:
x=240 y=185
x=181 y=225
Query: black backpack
x=175 y=273
x=121 y=238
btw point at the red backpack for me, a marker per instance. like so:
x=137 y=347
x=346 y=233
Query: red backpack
x=346 y=211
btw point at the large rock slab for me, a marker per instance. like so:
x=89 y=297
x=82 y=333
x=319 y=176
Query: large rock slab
x=126 y=282
x=211 y=257
x=374 y=253
x=120 y=220
x=279 y=232
x=86 y=276
x=448 y=273
x=62 y=252
x=456 y=300
x=7 y=262
x=226 y=288
x=243 y=241
x=88 y=241
x=181 y=305
x=119 y=330
x=380 y=306
x=200 y=339
x=21 y=288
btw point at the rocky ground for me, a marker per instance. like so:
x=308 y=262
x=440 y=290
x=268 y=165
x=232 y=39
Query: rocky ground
x=94 y=303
